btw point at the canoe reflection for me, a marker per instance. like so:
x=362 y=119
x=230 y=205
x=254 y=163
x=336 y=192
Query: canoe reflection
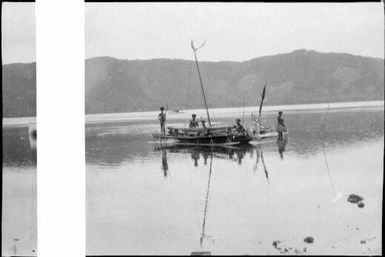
x=230 y=153
x=196 y=152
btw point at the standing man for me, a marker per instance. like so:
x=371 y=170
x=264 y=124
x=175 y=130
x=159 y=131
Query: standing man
x=193 y=122
x=281 y=126
x=162 y=120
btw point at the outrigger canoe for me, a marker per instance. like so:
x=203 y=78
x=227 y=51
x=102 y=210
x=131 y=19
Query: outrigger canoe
x=215 y=136
x=210 y=136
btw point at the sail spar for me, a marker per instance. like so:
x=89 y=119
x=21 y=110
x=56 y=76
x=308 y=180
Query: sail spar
x=263 y=97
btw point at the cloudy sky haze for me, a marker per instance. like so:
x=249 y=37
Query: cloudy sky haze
x=18 y=32
x=234 y=31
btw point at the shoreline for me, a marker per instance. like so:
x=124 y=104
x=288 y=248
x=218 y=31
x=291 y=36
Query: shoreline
x=216 y=112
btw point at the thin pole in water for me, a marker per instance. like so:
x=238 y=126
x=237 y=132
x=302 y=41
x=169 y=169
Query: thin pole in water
x=200 y=78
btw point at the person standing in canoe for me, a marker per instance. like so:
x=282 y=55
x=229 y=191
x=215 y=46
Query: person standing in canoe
x=281 y=126
x=193 y=123
x=162 y=120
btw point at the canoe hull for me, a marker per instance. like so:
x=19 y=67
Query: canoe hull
x=208 y=140
x=268 y=135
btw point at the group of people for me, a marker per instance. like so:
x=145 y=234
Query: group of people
x=238 y=128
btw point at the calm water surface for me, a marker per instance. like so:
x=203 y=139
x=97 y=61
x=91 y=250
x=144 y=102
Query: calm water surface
x=19 y=214
x=145 y=200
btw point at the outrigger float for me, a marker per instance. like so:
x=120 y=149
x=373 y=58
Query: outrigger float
x=211 y=136
x=260 y=130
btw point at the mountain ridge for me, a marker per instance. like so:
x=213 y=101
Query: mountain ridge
x=121 y=85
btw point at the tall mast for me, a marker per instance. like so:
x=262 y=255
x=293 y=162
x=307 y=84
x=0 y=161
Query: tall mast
x=200 y=79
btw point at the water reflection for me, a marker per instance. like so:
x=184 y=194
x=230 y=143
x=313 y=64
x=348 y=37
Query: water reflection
x=259 y=154
x=19 y=148
x=245 y=197
x=164 y=163
x=231 y=153
x=281 y=143
x=19 y=192
x=209 y=154
x=203 y=234
x=309 y=133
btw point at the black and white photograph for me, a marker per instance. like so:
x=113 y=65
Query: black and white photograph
x=233 y=128
x=192 y=128
x=19 y=174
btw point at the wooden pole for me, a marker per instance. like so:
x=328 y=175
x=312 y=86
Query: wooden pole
x=200 y=80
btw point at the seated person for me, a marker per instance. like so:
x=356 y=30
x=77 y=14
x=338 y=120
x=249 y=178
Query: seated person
x=205 y=130
x=239 y=128
x=193 y=123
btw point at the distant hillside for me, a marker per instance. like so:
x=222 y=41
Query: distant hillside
x=114 y=85
x=19 y=90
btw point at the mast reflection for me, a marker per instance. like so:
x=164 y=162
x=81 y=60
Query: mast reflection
x=203 y=235
x=259 y=154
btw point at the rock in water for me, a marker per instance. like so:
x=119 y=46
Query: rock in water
x=361 y=205
x=308 y=240
x=355 y=198
x=275 y=243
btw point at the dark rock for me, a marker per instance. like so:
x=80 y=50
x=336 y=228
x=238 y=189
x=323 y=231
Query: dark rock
x=308 y=240
x=275 y=243
x=353 y=198
x=363 y=241
x=360 y=205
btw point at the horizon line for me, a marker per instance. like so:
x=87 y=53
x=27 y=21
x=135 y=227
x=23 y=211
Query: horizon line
x=169 y=58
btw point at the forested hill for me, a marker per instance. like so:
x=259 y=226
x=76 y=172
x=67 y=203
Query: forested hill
x=115 y=85
x=19 y=90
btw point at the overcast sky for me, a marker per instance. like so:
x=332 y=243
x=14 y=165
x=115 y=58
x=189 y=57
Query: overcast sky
x=18 y=32
x=234 y=31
